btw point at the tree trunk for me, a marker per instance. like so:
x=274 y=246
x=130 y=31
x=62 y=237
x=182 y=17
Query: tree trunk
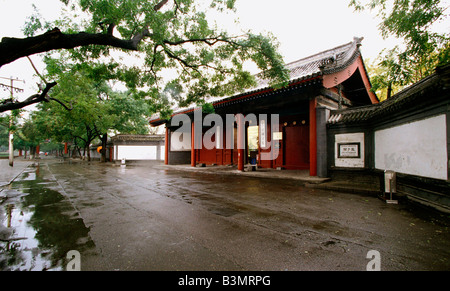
x=88 y=153
x=32 y=152
x=389 y=91
x=104 y=139
x=79 y=152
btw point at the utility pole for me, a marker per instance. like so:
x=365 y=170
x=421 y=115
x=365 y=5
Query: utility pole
x=11 y=143
x=11 y=134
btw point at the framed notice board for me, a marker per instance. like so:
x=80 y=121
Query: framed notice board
x=349 y=150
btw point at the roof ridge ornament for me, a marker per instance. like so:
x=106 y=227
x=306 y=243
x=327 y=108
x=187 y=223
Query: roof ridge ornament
x=358 y=40
x=341 y=59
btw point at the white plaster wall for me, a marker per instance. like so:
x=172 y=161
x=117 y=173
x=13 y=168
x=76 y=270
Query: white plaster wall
x=162 y=153
x=180 y=141
x=137 y=152
x=417 y=148
x=349 y=162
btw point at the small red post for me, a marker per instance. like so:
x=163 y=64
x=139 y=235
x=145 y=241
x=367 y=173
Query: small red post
x=66 y=148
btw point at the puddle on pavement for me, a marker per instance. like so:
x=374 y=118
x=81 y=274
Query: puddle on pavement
x=38 y=226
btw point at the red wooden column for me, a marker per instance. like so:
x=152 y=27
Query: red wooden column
x=312 y=138
x=166 y=147
x=66 y=148
x=240 y=141
x=111 y=154
x=193 y=162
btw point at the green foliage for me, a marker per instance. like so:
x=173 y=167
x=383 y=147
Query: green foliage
x=423 y=49
x=379 y=79
x=96 y=109
x=4 y=121
x=208 y=108
x=203 y=60
x=3 y=135
x=28 y=135
x=181 y=59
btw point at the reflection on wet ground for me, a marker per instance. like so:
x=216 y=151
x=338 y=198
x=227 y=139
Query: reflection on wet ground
x=150 y=217
x=38 y=225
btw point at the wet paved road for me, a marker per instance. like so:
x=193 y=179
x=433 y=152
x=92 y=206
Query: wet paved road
x=154 y=218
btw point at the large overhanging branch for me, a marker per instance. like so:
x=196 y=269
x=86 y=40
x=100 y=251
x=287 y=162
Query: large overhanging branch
x=12 y=49
x=158 y=6
x=12 y=105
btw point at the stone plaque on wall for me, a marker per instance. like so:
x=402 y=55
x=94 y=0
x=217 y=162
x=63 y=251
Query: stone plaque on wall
x=349 y=150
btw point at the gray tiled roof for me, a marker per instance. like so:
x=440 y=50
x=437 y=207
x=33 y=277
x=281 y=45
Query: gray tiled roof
x=326 y=62
x=418 y=92
x=137 y=137
x=349 y=115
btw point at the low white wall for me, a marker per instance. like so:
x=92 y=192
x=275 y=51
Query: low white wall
x=162 y=153
x=180 y=141
x=137 y=152
x=417 y=148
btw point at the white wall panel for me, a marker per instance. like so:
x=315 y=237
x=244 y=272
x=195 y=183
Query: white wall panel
x=162 y=153
x=417 y=148
x=349 y=138
x=180 y=141
x=137 y=152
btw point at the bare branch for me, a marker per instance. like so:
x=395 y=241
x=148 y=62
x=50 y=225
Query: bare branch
x=155 y=51
x=183 y=62
x=211 y=41
x=12 y=105
x=62 y=104
x=160 y=5
x=36 y=70
x=49 y=98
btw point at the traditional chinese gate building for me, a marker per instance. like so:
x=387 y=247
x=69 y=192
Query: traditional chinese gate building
x=332 y=79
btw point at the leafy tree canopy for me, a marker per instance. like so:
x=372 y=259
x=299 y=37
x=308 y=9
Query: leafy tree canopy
x=168 y=36
x=423 y=47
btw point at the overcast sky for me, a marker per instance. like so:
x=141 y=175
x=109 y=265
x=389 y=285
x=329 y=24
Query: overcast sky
x=302 y=27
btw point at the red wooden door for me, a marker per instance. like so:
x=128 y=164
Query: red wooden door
x=296 y=147
x=219 y=157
